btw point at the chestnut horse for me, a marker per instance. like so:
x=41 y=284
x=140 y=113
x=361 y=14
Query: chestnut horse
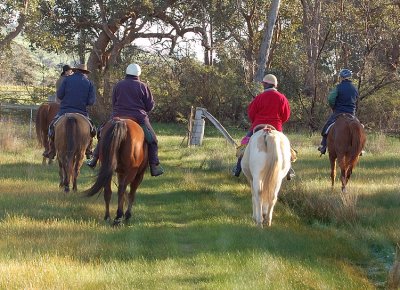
x=266 y=161
x=122 y=150
x=346 y=140
x=72 y=137
x=44 y=115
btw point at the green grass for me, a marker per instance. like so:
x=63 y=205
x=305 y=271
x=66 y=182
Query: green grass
x=192 y=227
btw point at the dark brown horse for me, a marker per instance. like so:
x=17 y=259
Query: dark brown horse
x=72 y=136
x=44 y=115
x=122 y=150
x=346 y=140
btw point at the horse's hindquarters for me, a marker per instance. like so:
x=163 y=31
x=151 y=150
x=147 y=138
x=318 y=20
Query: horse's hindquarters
x=72 y=136
x=265 y=163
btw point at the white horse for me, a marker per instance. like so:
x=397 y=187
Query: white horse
x=266 y=161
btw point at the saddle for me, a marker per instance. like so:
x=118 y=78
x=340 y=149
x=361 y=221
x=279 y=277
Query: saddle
x=267 y=128
x=149 y=136
x=348 y=116
x=92 y=127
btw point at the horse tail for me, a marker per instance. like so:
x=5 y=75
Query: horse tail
x=111 y=143
x=356 y=140
x=40 y=121
x=271 y=176
x=70 y=131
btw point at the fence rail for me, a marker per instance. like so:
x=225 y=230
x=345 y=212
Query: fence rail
x=5 y=107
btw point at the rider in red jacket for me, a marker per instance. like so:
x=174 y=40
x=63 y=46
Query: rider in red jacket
x=270 y=107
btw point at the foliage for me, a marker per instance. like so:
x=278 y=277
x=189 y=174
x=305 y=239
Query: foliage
x=313 y=40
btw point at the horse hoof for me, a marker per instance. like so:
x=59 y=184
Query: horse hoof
x=66 y=189
x=117 y=222
x=128 y=215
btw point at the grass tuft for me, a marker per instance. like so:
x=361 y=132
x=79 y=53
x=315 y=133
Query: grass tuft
x=326 y=207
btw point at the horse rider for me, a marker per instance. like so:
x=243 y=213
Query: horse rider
x=131 y=98
x=270 y=107
x=342 y=99
x=76 y=92
x=66 y=71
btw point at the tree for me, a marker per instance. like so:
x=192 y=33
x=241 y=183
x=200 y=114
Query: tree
x=267 y=38
x=106 y=28
x=13 y=16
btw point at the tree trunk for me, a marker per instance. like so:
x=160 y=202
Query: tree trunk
x=267 y=38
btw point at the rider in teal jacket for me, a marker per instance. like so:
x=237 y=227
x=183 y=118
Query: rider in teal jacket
x=342 y=99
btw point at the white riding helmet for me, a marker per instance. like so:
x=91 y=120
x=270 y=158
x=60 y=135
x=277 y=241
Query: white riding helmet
x=270 y=79
x=133 y=69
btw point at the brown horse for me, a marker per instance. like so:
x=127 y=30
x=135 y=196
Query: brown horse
x=122 y=150
x=44 y=115
x=346 y=140
x=72 y=136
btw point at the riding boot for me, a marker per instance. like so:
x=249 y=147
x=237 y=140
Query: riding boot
x=95 y=157
x=89 y=152
x=322 y=147
x=291 y=174
x=52 y=149
x=237 y=168
x=155 y=167
x=51 y=153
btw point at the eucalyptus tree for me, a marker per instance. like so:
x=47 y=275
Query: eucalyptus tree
x=13 y=16
x=102 y=29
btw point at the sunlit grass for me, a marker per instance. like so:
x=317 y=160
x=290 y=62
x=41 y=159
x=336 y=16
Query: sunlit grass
x=192 y=227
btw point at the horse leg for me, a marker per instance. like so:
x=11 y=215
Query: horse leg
x=257 y=202
x=332 y=160
x=75 y=173
x=107 y=199
x=265 y=210
x=60 y=173
x=343 y=177
x=132 y=194
x=121 y=199
x=77 y=165
x=268 y=217
x=66 y=177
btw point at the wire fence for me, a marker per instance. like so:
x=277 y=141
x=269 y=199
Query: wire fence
x=19 y=113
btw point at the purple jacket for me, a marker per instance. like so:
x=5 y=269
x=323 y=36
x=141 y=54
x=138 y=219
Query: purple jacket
x=132 y=98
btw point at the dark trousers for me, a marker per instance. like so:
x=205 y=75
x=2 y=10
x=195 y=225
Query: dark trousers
x=238 y=164
x=152 y=142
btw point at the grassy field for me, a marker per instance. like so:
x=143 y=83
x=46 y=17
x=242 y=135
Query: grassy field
x=192 y=227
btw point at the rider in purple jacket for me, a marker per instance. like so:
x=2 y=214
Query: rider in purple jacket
x=132 y=98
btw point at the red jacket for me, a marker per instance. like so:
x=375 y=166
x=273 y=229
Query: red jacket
x=270 y=107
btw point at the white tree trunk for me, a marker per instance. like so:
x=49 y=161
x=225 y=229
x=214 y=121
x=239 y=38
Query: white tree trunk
x=267 y=38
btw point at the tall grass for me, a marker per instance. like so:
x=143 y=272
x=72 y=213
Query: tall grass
x=192 y=227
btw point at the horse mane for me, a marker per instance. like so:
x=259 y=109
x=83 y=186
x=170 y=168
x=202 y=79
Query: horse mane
x=270 y=178
x=111 y=143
